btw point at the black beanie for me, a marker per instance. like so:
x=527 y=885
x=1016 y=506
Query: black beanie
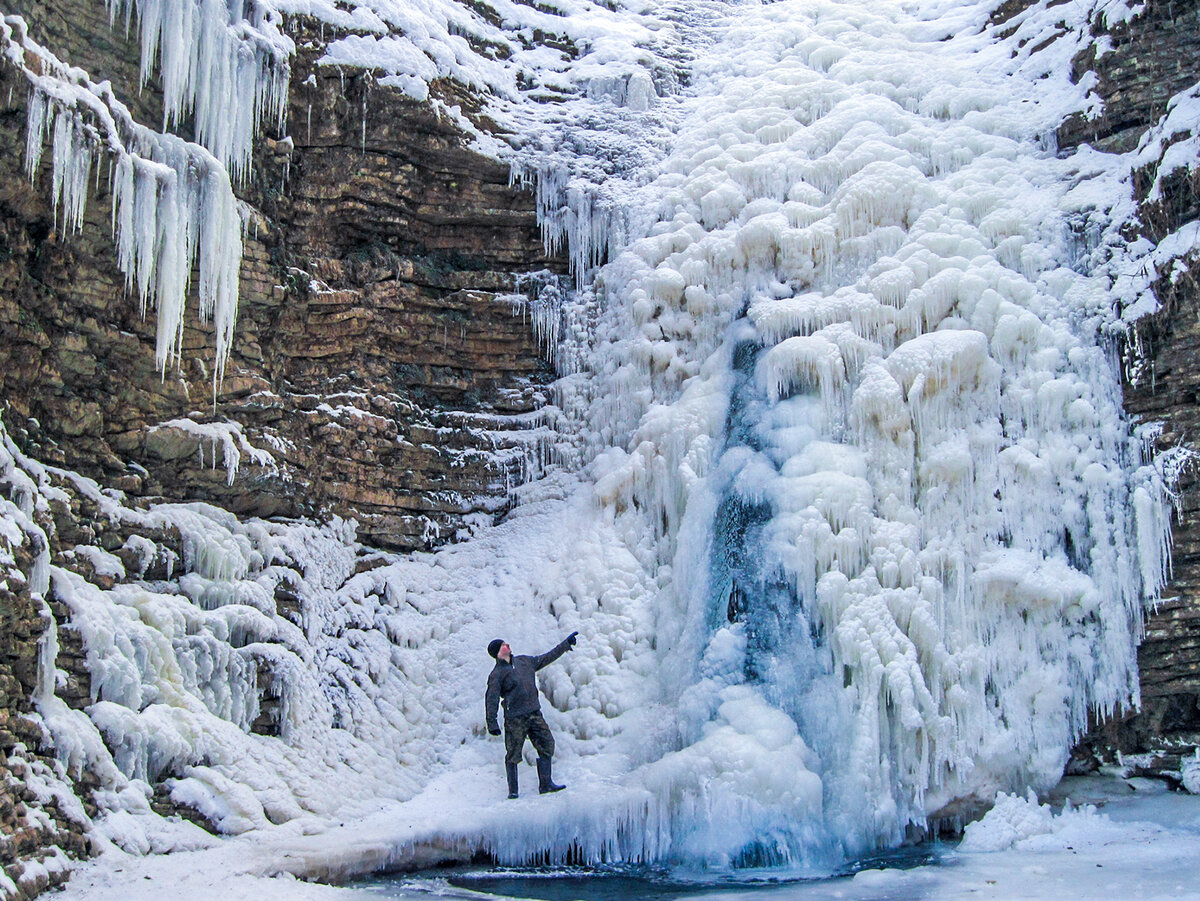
x=494 y=646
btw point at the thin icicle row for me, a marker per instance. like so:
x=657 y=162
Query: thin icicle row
x=173 y=205
x=224 y=62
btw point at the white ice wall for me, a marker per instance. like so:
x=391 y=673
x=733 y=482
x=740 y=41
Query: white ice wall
x=862 y=330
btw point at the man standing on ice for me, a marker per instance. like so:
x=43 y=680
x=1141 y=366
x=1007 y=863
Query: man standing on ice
x=512 y=679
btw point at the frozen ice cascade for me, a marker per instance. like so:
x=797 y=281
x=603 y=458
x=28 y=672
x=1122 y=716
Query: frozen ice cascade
x=857 y=534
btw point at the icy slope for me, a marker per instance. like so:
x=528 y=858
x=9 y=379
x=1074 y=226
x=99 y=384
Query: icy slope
x=373 y=659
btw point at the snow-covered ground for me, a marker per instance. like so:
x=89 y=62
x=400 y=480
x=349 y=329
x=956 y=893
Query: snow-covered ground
x=846 y=512
x=1115 y=843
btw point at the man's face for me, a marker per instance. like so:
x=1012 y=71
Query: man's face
x=505 y=652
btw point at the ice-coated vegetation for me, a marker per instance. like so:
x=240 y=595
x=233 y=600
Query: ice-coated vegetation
x=847 y=514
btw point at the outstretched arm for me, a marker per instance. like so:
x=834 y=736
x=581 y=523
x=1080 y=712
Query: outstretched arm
x=554 y=653
x=491 y=703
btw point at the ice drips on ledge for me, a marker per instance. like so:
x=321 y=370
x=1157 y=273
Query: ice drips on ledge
x=173 y=205
x=229 y=436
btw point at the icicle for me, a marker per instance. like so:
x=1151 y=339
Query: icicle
x=224 y=62
x=173 y=205
x=844 y=388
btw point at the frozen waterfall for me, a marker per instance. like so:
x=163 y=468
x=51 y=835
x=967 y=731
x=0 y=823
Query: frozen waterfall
x=859 y=380
x=858 y=534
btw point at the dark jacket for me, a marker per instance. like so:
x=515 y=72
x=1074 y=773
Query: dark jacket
x=515 y=683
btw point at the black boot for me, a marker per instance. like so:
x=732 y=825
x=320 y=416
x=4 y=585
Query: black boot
x=546 y=784
x=510 y=770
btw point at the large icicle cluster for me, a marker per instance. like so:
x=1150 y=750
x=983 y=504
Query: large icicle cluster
x=224 y=63
x=173 y=206
x=224 y=67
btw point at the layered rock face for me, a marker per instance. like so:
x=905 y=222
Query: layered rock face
x=35 y=830
x=1153 y=58
x=382 y=369
x=380 y=360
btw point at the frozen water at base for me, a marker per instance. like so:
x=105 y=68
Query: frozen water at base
x=647 y=883
x=1136 y=845
x=654 y=883
x=1137 y=842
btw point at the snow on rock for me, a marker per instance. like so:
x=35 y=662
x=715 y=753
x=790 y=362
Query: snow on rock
x=1021 y=823
x=229 y=436
x=1171 y=145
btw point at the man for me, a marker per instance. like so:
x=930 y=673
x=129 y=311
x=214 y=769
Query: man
x=512 y=679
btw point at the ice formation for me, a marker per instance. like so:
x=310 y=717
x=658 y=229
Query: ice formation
x=224 y=63
x=173 y=206
x=858 y=532
x=861 y=373
x=229 y=437
x=1023 y=823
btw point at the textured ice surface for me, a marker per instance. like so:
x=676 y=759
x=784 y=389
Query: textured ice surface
x=869 y=413
x=223 y=63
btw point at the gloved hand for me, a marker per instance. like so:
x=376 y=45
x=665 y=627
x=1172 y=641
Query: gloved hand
x=493 y=730
x=571 y=639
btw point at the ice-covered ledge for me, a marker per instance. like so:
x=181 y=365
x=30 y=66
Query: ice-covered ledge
x=1117 y=839
x=461 y=816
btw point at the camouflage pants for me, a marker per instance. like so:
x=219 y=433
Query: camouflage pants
x=519 y=728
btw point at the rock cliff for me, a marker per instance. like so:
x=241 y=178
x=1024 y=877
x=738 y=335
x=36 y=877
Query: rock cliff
x=381 y=361
x=1153 y=58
